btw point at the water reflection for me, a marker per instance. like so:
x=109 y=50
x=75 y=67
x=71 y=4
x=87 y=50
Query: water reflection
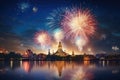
x=58 y=70
x=27 y=66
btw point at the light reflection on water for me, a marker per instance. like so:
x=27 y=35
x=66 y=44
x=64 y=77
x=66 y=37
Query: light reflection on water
x=59 y=70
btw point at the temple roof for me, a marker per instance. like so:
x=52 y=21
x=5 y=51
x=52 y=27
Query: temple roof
x=60 y=52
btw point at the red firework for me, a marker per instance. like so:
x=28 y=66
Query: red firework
x=78 y=22
x=43 y=38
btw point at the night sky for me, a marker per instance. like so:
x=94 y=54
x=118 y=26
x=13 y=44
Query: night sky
x=20 y=20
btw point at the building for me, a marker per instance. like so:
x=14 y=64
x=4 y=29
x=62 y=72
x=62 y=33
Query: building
x=60 y=52
x=2 y=50
x=87 y=57
x=41 y=56
x=49 y=52
x=29 y=54
x=73 y=53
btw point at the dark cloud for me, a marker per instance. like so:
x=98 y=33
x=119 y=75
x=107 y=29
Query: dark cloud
x=9 y=41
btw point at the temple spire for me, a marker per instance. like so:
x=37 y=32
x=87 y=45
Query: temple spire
x=60 y=46
x=60 y=52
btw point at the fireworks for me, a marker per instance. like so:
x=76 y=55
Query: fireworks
x=73 y=24
x=54 y=19
x=78 y=22
x=35 y=9
x=80 y=42
x=78 y=26
x=58 y=35
x=23 y=6
x=43 y=38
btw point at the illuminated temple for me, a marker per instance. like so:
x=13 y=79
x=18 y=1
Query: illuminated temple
x=60 y=52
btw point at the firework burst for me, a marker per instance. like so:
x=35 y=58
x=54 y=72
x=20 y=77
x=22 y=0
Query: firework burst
x=58 y=35
x=78 y=22
x=43 y=38
x=78 y=26
x=80 y=42
x=55 y=18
